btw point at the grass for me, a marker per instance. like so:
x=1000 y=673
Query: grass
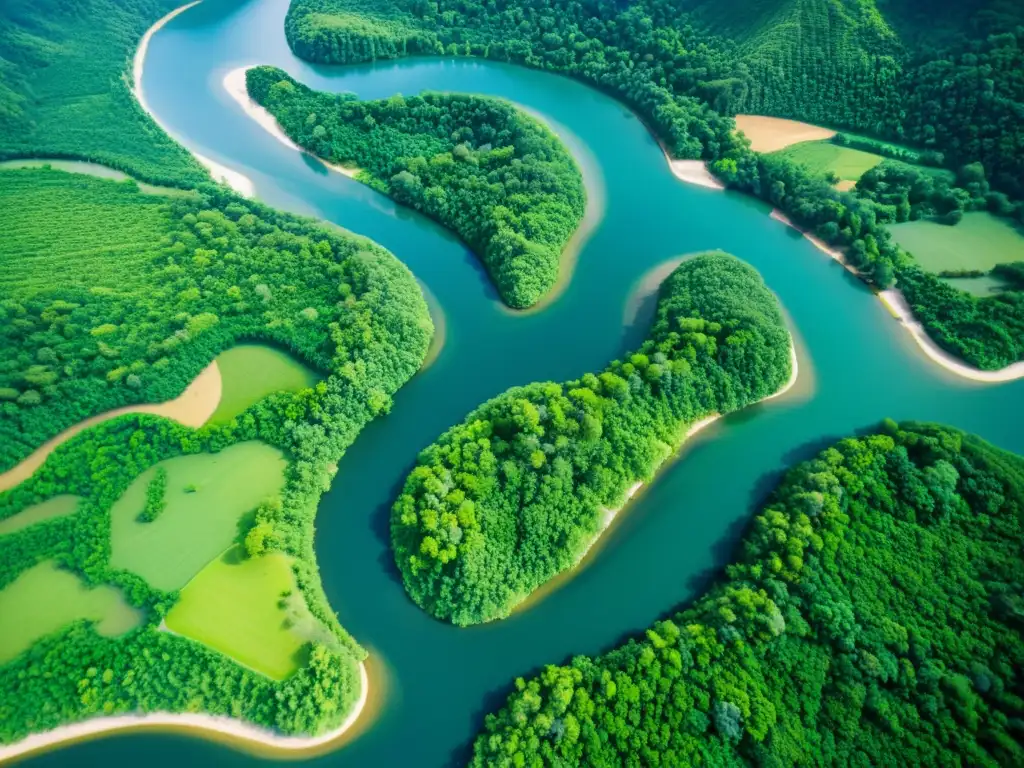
x=236 y=605
x=979 y=241
x=208 y=496
x=250 y=372
x=824 y=156
x=63 y=88
x=45 y=599
x=978 y=286
x=86 y=230
x=58 y=506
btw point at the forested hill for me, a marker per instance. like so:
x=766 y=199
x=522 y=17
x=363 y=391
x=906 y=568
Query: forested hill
x=65 y=69
x=479 y=165
x=515 y=494
x=861 y=64
x=873 y=616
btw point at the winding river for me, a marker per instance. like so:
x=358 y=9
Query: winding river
x=437 y=682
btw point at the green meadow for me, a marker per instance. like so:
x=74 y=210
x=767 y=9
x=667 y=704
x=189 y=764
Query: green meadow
x=58 y=506
x=824 y=156
x=250 y=372
x=978 y=242
x=248 y=609
x=45 y=598
x=207 y=500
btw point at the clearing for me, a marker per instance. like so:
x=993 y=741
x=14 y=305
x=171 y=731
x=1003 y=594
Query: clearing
x=250 y=372
x=45 y=599
x=824 y=156
x=249 y=609
x=207 y=498
x=770 y=134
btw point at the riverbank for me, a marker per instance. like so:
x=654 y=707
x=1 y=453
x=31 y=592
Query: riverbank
x=817 y=242
x=194 y=724
x=900 y=309
x=193 y=408
x=234 y=84
x=237 y=181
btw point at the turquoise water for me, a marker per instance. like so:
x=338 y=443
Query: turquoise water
x=442 y=680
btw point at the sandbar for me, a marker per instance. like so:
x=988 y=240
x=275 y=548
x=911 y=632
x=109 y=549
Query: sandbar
x=770 y=134
x=193 y=723
x=693 y=172
x=235 y=180
x=193 y=408
x=234 y=84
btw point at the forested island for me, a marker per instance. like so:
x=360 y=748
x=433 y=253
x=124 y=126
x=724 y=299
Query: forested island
x=478 y=165
x=687 y=68
x=872 y=616
x=169 y=283
x=516 y=493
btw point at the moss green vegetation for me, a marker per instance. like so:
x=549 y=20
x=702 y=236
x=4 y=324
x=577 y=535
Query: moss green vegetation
x=58 y=506
x=207 y=497
x=250 y=372
x=222 y=270
x=504 y=501
x=248 y=608
x=64 y=90
x=45 y=598
x=826 y=158
x=979 y=242
x=949 y=89
x=480 y=166
x=872 y=616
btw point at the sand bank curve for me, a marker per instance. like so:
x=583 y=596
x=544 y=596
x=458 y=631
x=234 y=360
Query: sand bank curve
x=237 y=181
x=193 y=408
x=193 y=723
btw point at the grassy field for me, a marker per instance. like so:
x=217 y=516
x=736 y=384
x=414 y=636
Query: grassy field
x=208 y=495
x=63 y=91
x=824 y=156
x=978 y=286
x=236 y=605
x=58 y=506
x=979 y=241
x=250 y=372
x=45 y=598
x=93 y=233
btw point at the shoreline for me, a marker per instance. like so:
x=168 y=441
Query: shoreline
x=234 y=84
x=192 y=723
x=692 y=171
x=239 y=182
x=897 y=305
x=192 y=408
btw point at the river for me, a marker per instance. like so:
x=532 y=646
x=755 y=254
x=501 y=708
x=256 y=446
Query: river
x=442 y=680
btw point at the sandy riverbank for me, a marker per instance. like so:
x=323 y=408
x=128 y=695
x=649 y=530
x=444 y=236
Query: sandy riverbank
x=197 y=724
x=193 y=408
x=234 y=84
x=237 y=181
x=897 y=304
x=816 y=241
x=691 y=171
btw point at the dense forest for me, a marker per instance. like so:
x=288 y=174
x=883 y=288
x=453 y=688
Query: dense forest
x=515 y=494
x=685 y=69
x=64 y=87
x=873 y=616
x=478 y=165
x=222 y=269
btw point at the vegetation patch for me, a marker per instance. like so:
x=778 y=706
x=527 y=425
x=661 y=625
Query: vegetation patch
x=836 y=162
x=250 y=372
x=881 y=581
x=503 y=502
x=978 y=243
x=205 y=499
x=249 y=608
x=479 y=165
x=45 y=599
x=58 y=506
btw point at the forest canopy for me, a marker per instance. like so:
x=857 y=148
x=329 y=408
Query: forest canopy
x=479 y=165
x=517 y=492
x=872 y=616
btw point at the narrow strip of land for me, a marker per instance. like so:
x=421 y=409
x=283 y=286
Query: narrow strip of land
x=237 y=181
x=197 y=724
x=193 y=408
